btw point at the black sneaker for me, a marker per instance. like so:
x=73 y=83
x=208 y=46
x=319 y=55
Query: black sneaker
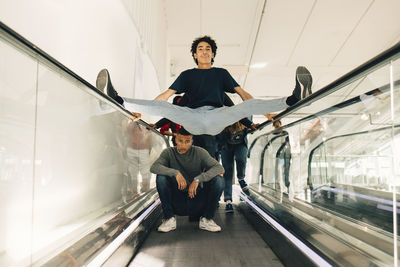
x=244 y=187
x=303 y=86
x=228 y=208
x=103 y=83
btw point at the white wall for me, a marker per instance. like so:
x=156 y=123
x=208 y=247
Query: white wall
x=86 y=36
x=150 y=19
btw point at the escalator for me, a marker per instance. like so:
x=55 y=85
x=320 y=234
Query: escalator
x=237 y=245
x=73 y=193
x=71 y=197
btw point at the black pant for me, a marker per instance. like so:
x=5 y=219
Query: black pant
x=175 y=201
x=208 y=142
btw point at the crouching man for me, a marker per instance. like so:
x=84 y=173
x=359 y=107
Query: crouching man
x=189 y=183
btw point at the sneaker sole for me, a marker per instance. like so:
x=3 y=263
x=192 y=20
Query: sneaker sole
x=209 y=230
x=165 y=231
x=305 y=80
x=101 y=81
x=228 y=211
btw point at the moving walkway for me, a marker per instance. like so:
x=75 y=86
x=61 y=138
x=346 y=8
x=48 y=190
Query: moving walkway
x=323 y=185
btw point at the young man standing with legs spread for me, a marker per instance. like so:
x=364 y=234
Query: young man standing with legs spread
x=189 y=183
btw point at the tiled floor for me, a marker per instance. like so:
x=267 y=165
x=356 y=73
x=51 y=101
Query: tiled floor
x=236 y=245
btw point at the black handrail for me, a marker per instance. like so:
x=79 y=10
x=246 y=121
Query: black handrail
x=362 y=70
x=36 y=50
x=336 y=107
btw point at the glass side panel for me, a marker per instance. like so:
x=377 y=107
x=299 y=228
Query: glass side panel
x=364 y=163
x=396 y=120
x=343 y=164
x=355 y=176
x=65 y=163
x=271 y=172
x=18 y=73
x=395 y=148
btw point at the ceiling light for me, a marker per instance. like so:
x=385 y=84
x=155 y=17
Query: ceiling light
x=258 y=65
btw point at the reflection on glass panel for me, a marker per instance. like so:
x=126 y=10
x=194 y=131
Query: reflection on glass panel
x=142 y=149
x=134 y=133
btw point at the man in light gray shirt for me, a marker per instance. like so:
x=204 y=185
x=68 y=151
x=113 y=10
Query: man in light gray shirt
x=189 y=182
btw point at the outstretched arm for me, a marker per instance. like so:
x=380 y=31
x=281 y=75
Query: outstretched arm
x=165 y=95
x=244 y=95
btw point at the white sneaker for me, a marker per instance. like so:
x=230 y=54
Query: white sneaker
x=168 y=225
x=209 y=225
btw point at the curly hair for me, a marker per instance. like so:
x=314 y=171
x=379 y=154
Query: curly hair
x=206 y=39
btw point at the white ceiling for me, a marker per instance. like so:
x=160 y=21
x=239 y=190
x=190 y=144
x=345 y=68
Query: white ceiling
x=329 y=37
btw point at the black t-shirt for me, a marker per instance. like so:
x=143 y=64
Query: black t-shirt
x=236 y=138
x=204 y=87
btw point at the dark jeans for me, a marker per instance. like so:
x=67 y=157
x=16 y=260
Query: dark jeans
x=208 y=142
x=175 y=201
x=228 y=155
